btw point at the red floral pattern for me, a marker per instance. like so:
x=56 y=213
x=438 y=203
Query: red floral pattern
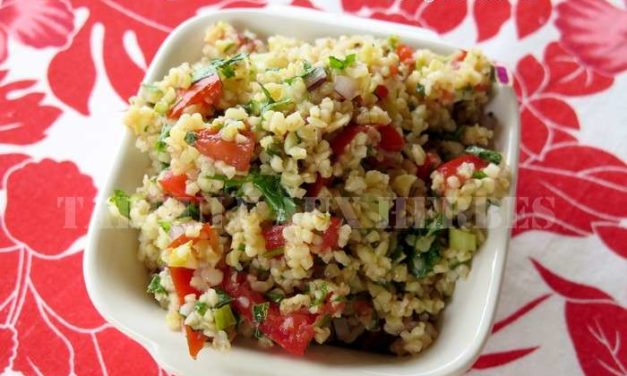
x=567 y=186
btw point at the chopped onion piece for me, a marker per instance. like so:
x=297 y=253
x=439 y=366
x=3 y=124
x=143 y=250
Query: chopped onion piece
x=346 y=87
x=315 y=78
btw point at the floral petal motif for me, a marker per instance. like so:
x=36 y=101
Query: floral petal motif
x=614 y=236
x=490 y=16
x=41 y=349
x=568 y=76
x=501 y=358
x=51 y=195
x=443 y=16
x=24 y=119
x=529 y=76
x=357 y=5
x=4 y=48
x=38 y=23
x=532 y=15
x=124 y=357
x=596 y=324
x=9 y=269
x=535 y=134
x=47 y=275
x=8 y=344
x=596 y=32
x=6 y=162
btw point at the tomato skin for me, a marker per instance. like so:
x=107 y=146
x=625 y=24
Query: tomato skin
x=181 y=278
x=206 y=233
x=432 y=160
x=393 y=70
x=381 y=91
x=210 y=143
x=391 y=140
x=205 y=91
x=273 y=237
x=314 y=189
x=344 y=138
x=461 y=56
x=450 y=168
x=293 y=332
x=331 y=236
x=362 y=307
x=236 y=285
x=405 y=53
x=174 y=185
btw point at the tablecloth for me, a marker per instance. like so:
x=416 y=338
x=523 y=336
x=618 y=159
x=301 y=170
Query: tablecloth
x=66 y=64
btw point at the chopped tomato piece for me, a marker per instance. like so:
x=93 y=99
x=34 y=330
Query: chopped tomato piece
x=362 y=307
x=393 y=70
x=274 y=237
x=381 y=91
x=236 y=154
x=195 y=341
x=206 y=233
x=344 y=138
x=432 y=160
x=174 y=185
x=244 y=297
x=293 y=332
x=405 y=53
x=391 y=140
x=332 y=308
x=332 y=234
x=316 y=187
x=181 y=278
x=482 y=87
x=450 y=168
x=461 y=56
x=205 y=91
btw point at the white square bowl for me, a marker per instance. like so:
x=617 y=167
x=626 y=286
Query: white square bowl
x=116 y=280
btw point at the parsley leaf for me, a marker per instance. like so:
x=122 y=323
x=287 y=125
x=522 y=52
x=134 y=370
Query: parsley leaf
x=279 y=200
x=421 y=263
x=165 y=225
x=190 y=138
x=420 y=89
x=155 y=287
x=201 y=308
x=260 y=311
x=192 y=211
x=160 y=145
x=340 y=64
x=225 y=66
x=485 y=154
x=223 y=298
x=479 y=175
x=122 y=201
x=275 y=296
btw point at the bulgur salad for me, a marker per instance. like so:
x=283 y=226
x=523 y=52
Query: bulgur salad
x=330 y=191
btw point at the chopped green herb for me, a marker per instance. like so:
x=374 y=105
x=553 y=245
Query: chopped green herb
x=225 y=66
x=324 y=321
x=275 y=296
x=485 y=154
x=420 y=89
x=253 y=107
x=155 y=287
x=260 y=311
x=241 y=247
x=192 y=211
x=190 y=138
x=151 y=93
x=275 y=105
x=201 y=308
x=224 y=317
x=340 y=64
x=479 y=175
x=160 y=145
x=393 y=41
x=274 y=149
x=223 y=298
x=121 y=201
x=277 y=198
x=421 y=263
x=320 y=295
x=307 y=70
x=435 y=225
x=165 y=225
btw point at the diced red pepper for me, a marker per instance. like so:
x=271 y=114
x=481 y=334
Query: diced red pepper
x=405 y=53
x=206 y=91
x=432 y=160
x=331 y=236
x=206 y=233
x=381 y=91
x=181 y=278
x=273 y=236
x=344 y=138
x=210 y=143
x=174 y=185
x=314 y=189
x=450 y=168
x=391 y=140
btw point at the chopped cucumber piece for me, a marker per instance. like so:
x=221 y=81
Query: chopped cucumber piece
x=462 y=240
x=223 y=317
